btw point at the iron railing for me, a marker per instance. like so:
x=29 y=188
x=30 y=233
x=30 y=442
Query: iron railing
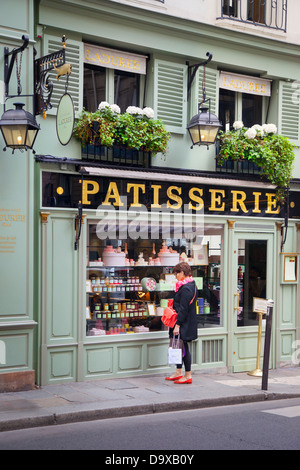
x=241 y=167
x=268 y=13
x=116 y=156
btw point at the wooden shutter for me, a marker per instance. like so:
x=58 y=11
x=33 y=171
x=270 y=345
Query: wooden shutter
x=74 y=56
x=289 y=112
x=170 y=89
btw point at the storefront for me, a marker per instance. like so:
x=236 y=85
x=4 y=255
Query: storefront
x=103 y=294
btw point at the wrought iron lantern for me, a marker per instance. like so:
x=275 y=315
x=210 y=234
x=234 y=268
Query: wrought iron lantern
x=204 y=126
x=19 y=128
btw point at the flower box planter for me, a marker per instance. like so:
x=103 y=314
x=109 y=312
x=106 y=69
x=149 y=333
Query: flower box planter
x=124 y=139
x=257 y=150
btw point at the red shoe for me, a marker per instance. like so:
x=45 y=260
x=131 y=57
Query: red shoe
x=174 y=378
x=187 y=381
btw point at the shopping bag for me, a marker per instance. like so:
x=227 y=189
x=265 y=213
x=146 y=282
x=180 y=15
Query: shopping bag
x=169 y=317
x=175 y=352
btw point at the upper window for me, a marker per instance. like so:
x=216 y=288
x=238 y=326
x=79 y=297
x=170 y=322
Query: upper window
x=256 y=11
x=241 y=99
x=112 y=76
x=126 y=89
x=96 y=85
x=272 y=14
x=94 y=89
x=244 y=107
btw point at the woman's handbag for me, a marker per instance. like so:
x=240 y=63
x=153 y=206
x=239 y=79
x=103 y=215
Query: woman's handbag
x=175 y=351
x=170 y=316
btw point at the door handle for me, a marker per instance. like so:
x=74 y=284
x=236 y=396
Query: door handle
x=237 y=303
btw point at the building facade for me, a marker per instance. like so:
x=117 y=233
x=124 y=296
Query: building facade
x=84 y=300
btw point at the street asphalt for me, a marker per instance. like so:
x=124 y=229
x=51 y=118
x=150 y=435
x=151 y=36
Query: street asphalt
x=127 y=396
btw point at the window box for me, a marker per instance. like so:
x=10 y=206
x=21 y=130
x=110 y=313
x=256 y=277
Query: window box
x=135 y=129
x=269 y=154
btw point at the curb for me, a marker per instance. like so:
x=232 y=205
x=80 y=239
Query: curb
x=126 y=411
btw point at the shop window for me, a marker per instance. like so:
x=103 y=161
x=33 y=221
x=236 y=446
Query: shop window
x=129 y=282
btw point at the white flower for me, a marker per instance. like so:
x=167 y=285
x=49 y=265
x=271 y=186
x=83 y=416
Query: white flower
x=115 y=108
x=238 y=125
x=134 y=110
x=269 y=128
x=103 y=105
x=259 y=130
x=148 y=112
x=250 y=133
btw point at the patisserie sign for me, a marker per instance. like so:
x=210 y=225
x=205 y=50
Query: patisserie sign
x=64 y=190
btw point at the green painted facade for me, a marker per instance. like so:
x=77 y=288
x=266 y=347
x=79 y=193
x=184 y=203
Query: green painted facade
x=42 y=287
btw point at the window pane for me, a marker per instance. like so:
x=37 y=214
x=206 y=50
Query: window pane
x=256 y=11
x=126 y=89
x=94 y=87
x=252 y=109
x=227 y=109
x=230 y=7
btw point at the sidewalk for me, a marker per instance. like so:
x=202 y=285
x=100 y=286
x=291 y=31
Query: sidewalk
x=119 y=397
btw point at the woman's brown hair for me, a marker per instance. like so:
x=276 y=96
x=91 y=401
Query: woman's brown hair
x=184 y=267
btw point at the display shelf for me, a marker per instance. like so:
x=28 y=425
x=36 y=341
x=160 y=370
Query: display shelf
x=131 y=298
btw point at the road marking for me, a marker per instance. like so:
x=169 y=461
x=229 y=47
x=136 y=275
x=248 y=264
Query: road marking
x=288 y=412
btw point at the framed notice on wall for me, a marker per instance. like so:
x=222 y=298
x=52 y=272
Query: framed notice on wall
x=289 y=268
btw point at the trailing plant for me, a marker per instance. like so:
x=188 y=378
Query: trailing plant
x=271 y=152
x=136 y=128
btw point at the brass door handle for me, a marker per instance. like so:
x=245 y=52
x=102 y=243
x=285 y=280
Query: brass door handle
x=236 y=295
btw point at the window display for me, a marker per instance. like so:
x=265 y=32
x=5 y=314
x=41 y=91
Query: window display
x=129 y=282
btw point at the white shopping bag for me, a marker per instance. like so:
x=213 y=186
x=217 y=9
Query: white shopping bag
x=175 y=352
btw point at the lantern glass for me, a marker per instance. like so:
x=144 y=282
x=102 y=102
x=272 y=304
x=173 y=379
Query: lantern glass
x=14 y=136
x=19 y=128
x=208 y=134
x=204 y=127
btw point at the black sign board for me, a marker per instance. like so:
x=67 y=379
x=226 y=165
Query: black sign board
x=65 y=190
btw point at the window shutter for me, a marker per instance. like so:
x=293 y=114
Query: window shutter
x=211 y=88
x=289 y=112
x=74 y=56
x=170 y=89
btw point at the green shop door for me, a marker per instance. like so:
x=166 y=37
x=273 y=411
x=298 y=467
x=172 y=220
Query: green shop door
x=252 y=276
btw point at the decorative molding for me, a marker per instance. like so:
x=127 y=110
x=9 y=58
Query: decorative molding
x=44 y=217
x=231 y=224
x=17 y=325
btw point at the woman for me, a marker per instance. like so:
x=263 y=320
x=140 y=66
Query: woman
x=186 y=325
